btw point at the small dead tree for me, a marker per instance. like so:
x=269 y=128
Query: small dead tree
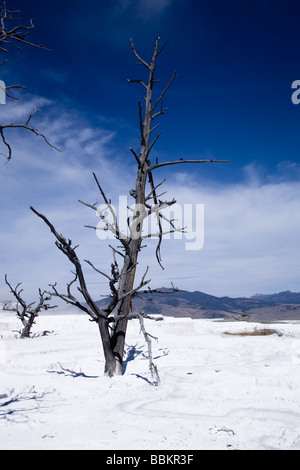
x=28 y=313
x=15 y=35
x=112 y=320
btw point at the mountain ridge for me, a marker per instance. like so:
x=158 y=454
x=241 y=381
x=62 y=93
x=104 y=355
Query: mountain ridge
x=281 y=306
x=281 y=297
x=263 y=307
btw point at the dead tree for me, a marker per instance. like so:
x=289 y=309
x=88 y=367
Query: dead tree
x=28 y=313
x=15 y=35
x=112 y=320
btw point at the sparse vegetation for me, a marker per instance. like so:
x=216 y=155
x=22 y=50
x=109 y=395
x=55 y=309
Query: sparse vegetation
x=255 y=332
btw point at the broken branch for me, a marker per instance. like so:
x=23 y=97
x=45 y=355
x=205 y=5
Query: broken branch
x=176 y=162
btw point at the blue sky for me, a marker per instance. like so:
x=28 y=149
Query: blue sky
x=235 y=64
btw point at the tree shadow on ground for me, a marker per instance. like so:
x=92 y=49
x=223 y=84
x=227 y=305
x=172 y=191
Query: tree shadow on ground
x=71 y=373
x=16 y=407
x=132 y=352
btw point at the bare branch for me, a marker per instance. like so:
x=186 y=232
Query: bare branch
x=92 y=206
x=153 y=128
x=162 y=111
x=137 y=81
x=69 y=298
x=150 y=195
x=153 y=143
x=162 y=47
x=135 y=156
x=147 y=336
x=16 y=35
x=10 y=87
x=141 y=61
x=152 y=367
x=22 y=126
x=17 y=293
x=160 y=234
x=100 y=189
x=176 y=162
x=66 y=247
x=97 y=270
x=116 y=251
x=162 y=94
x=159 y=291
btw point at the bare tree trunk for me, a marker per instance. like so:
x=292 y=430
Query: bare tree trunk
x=28 y=326
x=110 y=360
x=129 y=268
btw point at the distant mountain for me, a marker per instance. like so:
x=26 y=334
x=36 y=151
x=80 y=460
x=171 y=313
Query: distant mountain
x=197 y=304
x=286 y=297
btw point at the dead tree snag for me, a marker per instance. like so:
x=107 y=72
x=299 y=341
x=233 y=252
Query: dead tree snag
x=112 y=320
x=28 y=312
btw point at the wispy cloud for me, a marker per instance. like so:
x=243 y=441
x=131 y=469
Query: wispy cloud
x=143 y=8
x=58 y=76
x=19 y=111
